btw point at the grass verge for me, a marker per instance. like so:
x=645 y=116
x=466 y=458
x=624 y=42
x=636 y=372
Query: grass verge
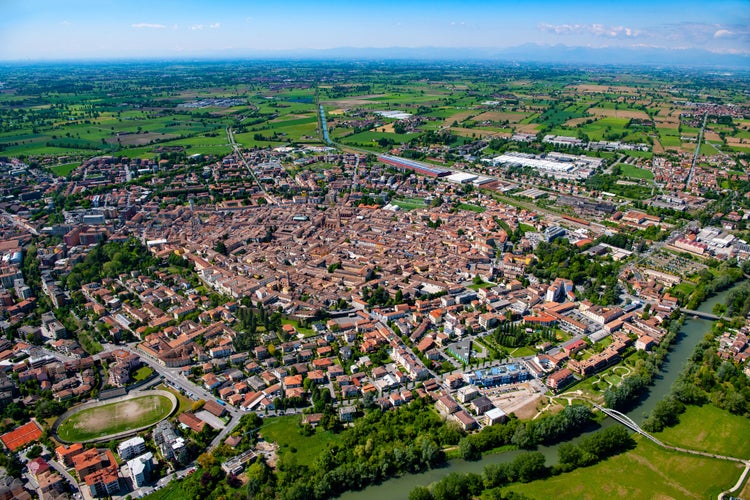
x=646 y=472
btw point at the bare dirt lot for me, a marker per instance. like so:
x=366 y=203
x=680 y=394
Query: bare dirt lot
x=619 y=113
x=139 y=139
x=473 y=132
x=589 y=88
x=500 y=116
x=712 y=136
x=671 y=124
x=529 y=128
x=574 y=122
x=386 y=128
x=350 y=102
x=458 y=117
x=521 y=399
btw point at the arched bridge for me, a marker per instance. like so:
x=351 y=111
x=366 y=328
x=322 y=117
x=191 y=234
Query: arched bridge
x=628 y=422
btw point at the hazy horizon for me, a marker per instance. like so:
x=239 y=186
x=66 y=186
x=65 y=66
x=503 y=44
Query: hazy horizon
x=45 y=30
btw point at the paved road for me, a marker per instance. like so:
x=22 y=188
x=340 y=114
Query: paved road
x=19 y=222
x=697 y=153
x=234 y=422
x=173 y=377
x=739 y=482
x=64 y=473
x=269 y=197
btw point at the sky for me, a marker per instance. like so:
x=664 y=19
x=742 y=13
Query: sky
x=111 y=29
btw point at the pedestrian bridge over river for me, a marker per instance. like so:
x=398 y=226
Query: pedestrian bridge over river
x=628 y=422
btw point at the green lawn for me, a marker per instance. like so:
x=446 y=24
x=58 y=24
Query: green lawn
x=175 y=489
x=369 y=137
x=285 y=432
x=708 y=428
x=304 y=331
x=142 y=373
x=472 y=208
x=184 y=403
x=668 y=139
x=647 y=472
x=409 y=203
x=64 y=170
x=635 y=172
x=479 y=286
x=89 y=343
x=597 y=129
x=638 y=154
x=523 y=351
x=102 y=421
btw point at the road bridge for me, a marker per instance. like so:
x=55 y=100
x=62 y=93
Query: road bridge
x=700 y=314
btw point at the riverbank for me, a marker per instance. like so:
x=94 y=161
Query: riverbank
x=688 y=337
x=646 y=472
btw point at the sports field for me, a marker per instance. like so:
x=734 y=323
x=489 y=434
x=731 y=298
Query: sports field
x=101 y=421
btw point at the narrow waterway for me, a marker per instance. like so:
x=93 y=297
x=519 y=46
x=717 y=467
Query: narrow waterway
x=690 y=334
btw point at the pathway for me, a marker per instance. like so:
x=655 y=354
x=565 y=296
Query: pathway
x=625 y=420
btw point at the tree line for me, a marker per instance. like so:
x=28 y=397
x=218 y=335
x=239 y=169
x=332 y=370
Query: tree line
x=527 y=467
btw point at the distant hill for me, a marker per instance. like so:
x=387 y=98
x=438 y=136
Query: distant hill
x=561 y=54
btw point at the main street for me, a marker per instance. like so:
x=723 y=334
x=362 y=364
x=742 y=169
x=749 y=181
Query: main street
x=236 y=147
x=173 y=378
x=19 y=222
x=697 y=153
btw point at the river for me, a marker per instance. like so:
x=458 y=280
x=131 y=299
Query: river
x=688 y=337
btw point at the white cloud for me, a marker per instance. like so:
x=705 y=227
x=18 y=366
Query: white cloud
x=66 y=23
x=148 y=26
x=723 y=33
x=200 y=27
x=590 y=29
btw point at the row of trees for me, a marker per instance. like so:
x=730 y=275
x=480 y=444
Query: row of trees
x=711 y=282
x=250 y=319
x=381 y=445
x=514 y=335
x=545 y=430
x=527 y=467
x=624 y=395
